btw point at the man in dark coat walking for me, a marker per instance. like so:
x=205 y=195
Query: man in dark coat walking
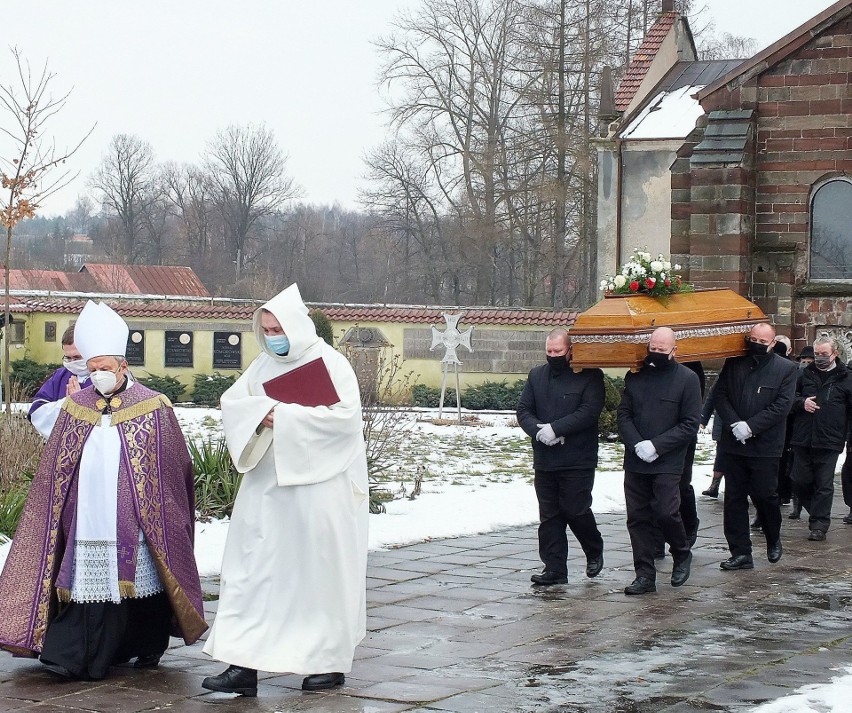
x=753 y=396
x=657 y=419
x=559 y=410
x=822 y=415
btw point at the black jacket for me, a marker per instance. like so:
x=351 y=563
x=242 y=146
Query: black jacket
x=571 y=403
x=759 y=391
x=829 y=426
x=662 y=405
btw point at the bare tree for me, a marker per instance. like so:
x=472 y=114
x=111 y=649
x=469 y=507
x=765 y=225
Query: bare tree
x=247 y=171
x=126 y=187
x=32 y=169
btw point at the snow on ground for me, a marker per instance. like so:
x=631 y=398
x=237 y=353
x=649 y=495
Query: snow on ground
x=830 y=697
x=476 y=478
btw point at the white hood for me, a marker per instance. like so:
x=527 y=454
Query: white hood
x=292 y=315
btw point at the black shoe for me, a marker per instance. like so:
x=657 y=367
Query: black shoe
x=322 y=681
x=738 y=562
x=680 y=572
x=848 y=518
x=641 y=585
x=60 y=671
x=545 y=579
x=796 y=512
x=149 y=661
x=594 y=565
x=816 y=536
x=774 y=551
x=756 y=524
x=711 y=492
x=234 y=679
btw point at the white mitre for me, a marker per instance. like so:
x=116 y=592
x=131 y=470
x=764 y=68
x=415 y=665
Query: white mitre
x=99 y=331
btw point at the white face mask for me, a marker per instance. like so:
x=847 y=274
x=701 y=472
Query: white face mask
x=104 y=381
x=77 y=367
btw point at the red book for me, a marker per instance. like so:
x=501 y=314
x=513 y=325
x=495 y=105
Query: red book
x=306 y=385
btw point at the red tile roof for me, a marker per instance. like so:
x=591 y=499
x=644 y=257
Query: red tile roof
x=147 y=279
x=216 y=309
x=50 y=280
x=642 y=59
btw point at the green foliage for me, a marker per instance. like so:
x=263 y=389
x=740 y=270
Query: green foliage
x=12 y=499
x=208 y=388
x=323 y=326
x=607 y=424
x=168 y=385
x=490 y=395
x=216 y=478
x=28 y=375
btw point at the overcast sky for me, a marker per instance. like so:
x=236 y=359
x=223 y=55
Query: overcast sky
x=173 y=72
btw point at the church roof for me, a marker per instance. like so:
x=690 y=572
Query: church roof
x=642 y=59
x=780 y=50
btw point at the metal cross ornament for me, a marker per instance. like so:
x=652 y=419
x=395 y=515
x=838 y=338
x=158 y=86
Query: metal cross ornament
x=451 y=339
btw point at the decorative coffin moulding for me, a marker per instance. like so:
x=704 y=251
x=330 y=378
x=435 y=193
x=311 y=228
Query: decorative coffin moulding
x=708 y=324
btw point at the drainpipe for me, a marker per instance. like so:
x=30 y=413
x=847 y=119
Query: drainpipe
x=619 y=178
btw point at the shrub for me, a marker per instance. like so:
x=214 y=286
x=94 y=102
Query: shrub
x=19 y=456
x=428 y=397
x=29 y=375
x=168 y=385
x=208 y=388
x=323 y=326
x=492 y=395
x=607 y=424
x=216 y=479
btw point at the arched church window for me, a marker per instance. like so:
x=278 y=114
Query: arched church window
x=831 y=230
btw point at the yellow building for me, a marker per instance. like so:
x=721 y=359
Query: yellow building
x=188 y=336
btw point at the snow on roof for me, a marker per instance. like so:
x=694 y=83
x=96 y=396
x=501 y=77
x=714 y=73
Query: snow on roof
x=669 y=115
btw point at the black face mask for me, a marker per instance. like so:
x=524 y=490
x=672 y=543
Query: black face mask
x=756 y=349
x=658 y=360
x=559 y=363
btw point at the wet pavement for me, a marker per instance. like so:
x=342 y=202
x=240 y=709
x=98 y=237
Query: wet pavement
x=453 y=625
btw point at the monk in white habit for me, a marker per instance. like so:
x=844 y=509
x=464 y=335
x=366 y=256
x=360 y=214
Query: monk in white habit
x=101 y=570
x=293 y=588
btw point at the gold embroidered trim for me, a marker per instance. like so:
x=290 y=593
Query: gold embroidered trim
x=83 y=413
x=63 y=594
x=141 y=409
x=126 y=589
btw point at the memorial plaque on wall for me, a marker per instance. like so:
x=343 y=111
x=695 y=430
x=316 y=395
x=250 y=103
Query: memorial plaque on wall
x=178 y=349
x=136 y=347
x=227 y=350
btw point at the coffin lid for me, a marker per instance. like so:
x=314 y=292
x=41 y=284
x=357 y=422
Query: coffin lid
x=708 y=324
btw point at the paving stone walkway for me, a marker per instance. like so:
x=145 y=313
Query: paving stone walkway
x=455 y=626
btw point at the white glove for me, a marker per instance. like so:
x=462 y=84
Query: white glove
x=741 y=431
x=545 y=433
x=646 y=451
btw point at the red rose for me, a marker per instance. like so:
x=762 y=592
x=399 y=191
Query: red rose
x=634 y=286
x=667 y=283
x=649 y=283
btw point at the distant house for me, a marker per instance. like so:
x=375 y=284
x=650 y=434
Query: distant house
x=741 y=170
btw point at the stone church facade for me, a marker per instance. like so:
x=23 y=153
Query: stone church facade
x=759 y=189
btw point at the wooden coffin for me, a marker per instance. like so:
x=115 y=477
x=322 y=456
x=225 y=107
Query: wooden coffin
x=708 y=324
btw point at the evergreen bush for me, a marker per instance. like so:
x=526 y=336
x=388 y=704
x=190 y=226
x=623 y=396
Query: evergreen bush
x=168 y=385
x=28 y=375
x=208 y=388
x=607 y=423
x=323 y=326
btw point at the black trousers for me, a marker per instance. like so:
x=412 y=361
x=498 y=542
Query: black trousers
x=653 y=500
x=88 y=638
x=785 y=470
x=565 y=501
x=813 y=481
x=846 y=480
x=688 y=509
x=756 y=478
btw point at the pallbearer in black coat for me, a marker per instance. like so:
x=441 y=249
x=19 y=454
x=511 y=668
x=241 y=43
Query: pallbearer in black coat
x=657 y=419
x=559 y=410
x=753 y=396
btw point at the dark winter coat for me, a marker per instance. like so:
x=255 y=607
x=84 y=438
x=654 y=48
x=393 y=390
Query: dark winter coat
x=759 y=391
x=661 y=405
x=571 y=403
x=828 y=427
